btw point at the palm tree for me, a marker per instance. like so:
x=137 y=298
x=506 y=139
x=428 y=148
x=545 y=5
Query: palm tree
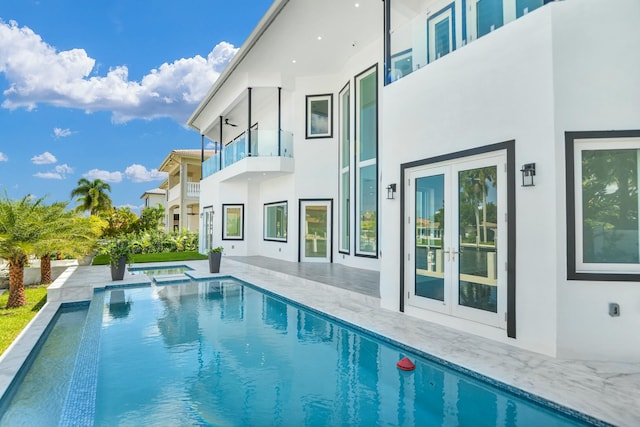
x=92 y=196
x=20 y=229
x=65 y=232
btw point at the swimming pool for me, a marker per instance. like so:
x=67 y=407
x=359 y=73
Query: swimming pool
x=222 y=352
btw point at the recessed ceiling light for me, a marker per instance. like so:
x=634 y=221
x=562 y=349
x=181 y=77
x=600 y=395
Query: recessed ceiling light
x=293 y=61
x=357 y=4
x=319 y=37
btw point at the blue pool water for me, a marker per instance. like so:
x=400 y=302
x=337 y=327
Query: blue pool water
x=40 y=398
x=223 y=353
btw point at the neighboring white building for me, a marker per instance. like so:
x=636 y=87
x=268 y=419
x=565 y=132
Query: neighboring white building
x=182 y=186
x=416 y=168
x=154 y=198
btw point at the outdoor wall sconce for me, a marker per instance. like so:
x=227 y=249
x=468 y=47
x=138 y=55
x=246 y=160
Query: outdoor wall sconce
x=528 y=172
x=391 y=190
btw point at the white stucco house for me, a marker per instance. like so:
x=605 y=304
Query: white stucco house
x=483 y=156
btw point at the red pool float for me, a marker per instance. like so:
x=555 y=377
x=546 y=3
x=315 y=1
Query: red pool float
x=406 y=364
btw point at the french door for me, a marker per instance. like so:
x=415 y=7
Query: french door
x=207 y=228
x=315 y=230
x=456 y=239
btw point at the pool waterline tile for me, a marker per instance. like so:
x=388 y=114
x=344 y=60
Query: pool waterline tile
x=80 y=404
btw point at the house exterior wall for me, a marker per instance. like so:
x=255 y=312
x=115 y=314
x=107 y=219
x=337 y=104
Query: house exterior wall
x=567 y=66
x=315 y=173
x=529 y=81
x=595 y=92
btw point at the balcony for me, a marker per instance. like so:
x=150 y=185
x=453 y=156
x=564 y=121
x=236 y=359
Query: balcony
x=423 y=32
x=270 y=154
x=192 y=191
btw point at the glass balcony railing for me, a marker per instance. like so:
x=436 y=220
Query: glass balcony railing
x=235 y=151
x=430 y=31
x=264 y=143
x=211 y=165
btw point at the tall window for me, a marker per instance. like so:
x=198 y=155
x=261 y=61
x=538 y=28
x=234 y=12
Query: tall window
x=345 y=168
x=366 y=110
x=275 y=221
x=603 y=223
x=233 y=222
x=489 y=16
x=525 y=6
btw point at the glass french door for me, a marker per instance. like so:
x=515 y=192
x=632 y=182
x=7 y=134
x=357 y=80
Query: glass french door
x=315 y=231
x=441 y=38
x=456 y=238
x=207 y=228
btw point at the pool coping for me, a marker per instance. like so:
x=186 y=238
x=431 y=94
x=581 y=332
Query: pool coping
x=590 y=388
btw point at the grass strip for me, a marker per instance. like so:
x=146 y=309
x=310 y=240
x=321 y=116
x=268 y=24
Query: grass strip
x=13 y=320
x=157 y=257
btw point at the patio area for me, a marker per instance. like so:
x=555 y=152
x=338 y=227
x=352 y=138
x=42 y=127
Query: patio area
x=604 y=390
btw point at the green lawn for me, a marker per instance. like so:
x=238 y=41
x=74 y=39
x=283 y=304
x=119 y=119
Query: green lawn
x=159 y=257
x=13 y=320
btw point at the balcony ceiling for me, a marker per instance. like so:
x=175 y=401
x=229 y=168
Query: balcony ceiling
x=344 y=29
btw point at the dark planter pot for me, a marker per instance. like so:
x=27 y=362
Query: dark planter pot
x=214 y=262
x=117 y=272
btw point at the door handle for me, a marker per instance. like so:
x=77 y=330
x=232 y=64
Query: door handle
x=451 y=254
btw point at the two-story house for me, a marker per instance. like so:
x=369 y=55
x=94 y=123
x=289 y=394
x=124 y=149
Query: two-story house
x=182 y=187
x=483 y=155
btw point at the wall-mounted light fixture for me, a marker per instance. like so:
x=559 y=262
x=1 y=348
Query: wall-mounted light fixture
x=528 y=172
x=391 y=191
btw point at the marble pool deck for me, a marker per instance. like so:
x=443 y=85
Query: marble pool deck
x=606 y=391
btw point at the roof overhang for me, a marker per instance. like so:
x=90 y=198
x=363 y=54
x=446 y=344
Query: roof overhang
x=295 y=39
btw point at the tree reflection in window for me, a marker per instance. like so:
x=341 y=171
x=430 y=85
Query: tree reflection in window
x=610 y=206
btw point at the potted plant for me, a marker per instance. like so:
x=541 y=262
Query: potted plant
x=215 y=254
x=119 y=252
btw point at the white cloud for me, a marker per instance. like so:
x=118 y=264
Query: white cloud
x=59 y=172
x=38 y=73
x=106 y=176
x=61 y=133
x=138 y=173
x=45 y=158
x=48 y=175
x=3 y=157
x=64 y=169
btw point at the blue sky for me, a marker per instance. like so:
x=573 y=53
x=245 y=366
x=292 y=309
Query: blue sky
x=103 y=88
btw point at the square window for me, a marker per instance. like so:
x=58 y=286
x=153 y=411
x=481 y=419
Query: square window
x=275 y=221
x=319 y=116
x=603 y=227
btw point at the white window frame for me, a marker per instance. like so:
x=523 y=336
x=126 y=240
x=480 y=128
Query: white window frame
x=267 y=209
x=448 y=12
x=344 y=223
x=225 y=218
x=593 y=145
x=361 y=164
x=310 y=120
